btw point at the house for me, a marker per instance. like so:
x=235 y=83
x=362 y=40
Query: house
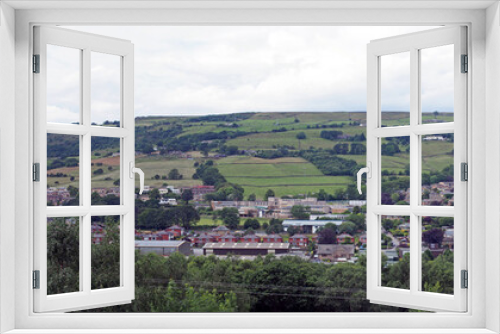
x=345 y=238
x=334 y=252
x=168 y=201
x=200 y=191
x=220 y=230
x=272 y=238
x=392 y=256
x=228 y=238
x=404 y=227
x=176 y=230
x=252 y=249
x=362 y=238
x=248 y=212
x=203 y=238
x=252 y=238
x=299 y=240
x=165 y=235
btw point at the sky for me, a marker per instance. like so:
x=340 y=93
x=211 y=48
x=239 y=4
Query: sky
x=213 y=70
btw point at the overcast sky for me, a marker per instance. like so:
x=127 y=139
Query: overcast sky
x=212 y=70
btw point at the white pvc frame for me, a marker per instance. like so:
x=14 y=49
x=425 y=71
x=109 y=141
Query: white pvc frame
x=472 y=321
x=415 y=297
x=86 y=297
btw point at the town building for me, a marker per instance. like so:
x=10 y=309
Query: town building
x=176 y=230
x=272 y=238
x=252 y=238
x=251 y=249
x=309 y=226
x=345 y=238
x=299 y=240
x=335 y=252
x=163 y=247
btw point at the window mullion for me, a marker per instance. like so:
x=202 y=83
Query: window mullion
x=85 y=167
x=415 y=169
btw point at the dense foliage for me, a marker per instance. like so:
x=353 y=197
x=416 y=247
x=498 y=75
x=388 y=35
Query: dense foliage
x=330 y=164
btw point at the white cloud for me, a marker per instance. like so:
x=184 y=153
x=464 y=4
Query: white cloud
x=198 y=70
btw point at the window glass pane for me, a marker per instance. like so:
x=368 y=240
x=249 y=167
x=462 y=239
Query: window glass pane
x=105 y=89
x=63 y=84
x=395 y=170
x=63 y=255
x=437 y=84
x=437 y=170
x=105 y=171
x=105 y=252
x=63 y=170
x=395 y=248
x=437 y=254
x=395 y=89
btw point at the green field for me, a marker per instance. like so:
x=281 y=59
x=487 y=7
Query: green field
x=286 y=176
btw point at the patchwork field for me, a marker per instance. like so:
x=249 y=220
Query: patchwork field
x=286 y=176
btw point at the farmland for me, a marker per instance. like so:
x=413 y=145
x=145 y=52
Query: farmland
x=249 y=136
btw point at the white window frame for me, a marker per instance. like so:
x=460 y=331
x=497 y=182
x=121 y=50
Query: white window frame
x=413 y=44
x=483 y=307
x=85 y=298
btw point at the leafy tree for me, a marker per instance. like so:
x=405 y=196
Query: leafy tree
x=154 y=194
x=275 y=226
x=341 y=148
x=357 y=149
x=230 y=217
x=187 y=195
x=359 y=219
x=106 y=256
x=390 y=149
x=347 y=227
x=300 y=212
x=183 y=215
x=62 y=255
x=327 y=236
x=292 y=230
x=269 y=193
x=98 y=171
x=251 y=197
x=301 y=136
x=174 y=174
x=251 y=223
x=322 y=195
x=330 y=135
x=434 y=236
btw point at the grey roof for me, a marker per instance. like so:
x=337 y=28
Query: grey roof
x=246 y=245
x=159 y=243
x=220 y=228
x=296 y=222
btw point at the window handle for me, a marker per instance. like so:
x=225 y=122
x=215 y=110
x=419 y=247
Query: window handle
x=368 y=171
x=134 y=170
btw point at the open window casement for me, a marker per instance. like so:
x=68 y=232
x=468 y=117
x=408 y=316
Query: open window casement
x=411 y=70
x=83 y=248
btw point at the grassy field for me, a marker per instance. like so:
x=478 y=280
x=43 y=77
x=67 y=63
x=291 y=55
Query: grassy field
x=286 y=176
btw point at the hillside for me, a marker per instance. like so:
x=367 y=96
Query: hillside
x=290 y=152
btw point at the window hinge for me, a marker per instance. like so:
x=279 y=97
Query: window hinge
x=36 y=172
x=465 y=64
x=464 y=171
x=36 y=63
x=36 y=279
x=465 y=279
